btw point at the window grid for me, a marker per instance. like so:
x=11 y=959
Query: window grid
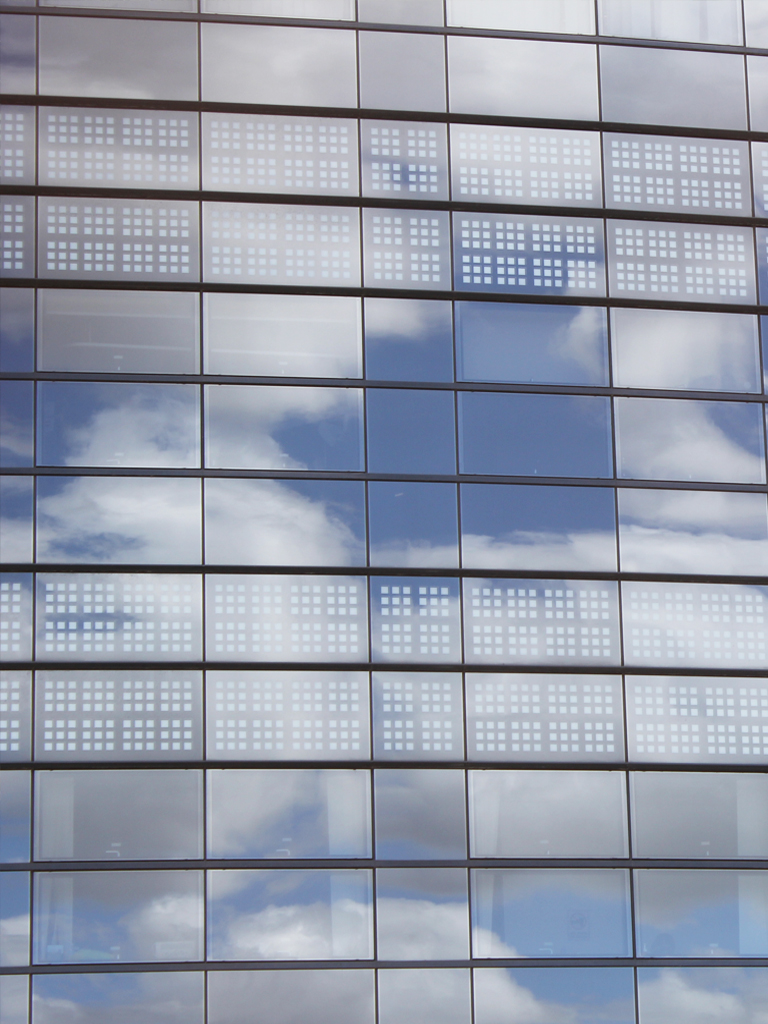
x=17 y=145
x=417 y=716
x=415 y=620
x=400 y=158
x=404 y=249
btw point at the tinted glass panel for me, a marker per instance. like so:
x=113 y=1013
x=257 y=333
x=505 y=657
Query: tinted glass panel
x=521 y=343
x=14 y=998
x=154 y=60
x=16 y=422
x=17 y=54
x=413 y=524
x=420 y=814
x=666 y=993
x=15 y=799
x=579 y=995
x=14 y=918
x=16 y=518
x=283 y=335
x=429 y=994
x=17 y=331
x=132 y=815
x=399 y=71
x=157 y=998
x=547 y=814
x=285 y=997
x=289 y=813
x=401 y=12
x=118 y=332
x=756 y=22
x=408 y=339
x=698 y=21
x=118 y=425
x=395 y=417
x=757 y=69
x=422 y=913
x=320 y=9
x=564 y=435
x=524 y=15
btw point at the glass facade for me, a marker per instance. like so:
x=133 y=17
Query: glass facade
x=384 y=590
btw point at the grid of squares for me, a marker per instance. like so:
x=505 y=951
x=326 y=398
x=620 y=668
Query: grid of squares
x=273 y=716
x=118 y=716
x=526 y=166
x=682 y=261
x=541 y=717
x=402 y=158
x=689 y=719
x=149 y=240
x=281 y=244
x=286 y=618
x=263 y=153
x=415 y=619
x=650 y=172
x=530 y=255
x=541 y=621
x=17 y=145
x=406 y=249
x=113 y=148
x=17 y=236
x=15 y=616
x=15 y=716
x=695 y=624
x=418 y=715
x=139 y=617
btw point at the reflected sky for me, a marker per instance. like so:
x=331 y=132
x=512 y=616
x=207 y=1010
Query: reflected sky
x=572 y=16
x=16 y=422
x=419 y=83
x=321 y=9
x=14 y=918
x=531 y=527
x=660 y=348
x=15 y=797
x=427 y=995
x=689 y=995
x=117 y=998
x=757 y=70
x=288 y=813
x=422 y=913
x=711 y=21
x=145 y=425
x=420 y=814
x=252 y=427
x=289 y=915
x=401 y=12
x=408 y=339
x=17 y=331
x=14 y=998
x=16 y=512
x=285 y=997
x=519 y=343
x=680 y=531
x=413 y=524
x=555 y=995
x=17 y=54
x=543 y=814
x=395 y=417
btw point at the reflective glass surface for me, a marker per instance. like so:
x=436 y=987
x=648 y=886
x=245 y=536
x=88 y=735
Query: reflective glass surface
x=88 y=424
x=408 y=339
x=581 y=995
x=281 y=522
x=530 y=527
x=401 y=12
x=17 y=332
x=399 y=71
x=320 y=9
x=673 y=439
x=283 y=335
x=420 y=814
x=14 y=918
x=289 y=915
x=573 y=16
x=15 y=696
x=430 y=994
x=757 y=70
x=413 y=524
x=547 y=814
x=285 y=813
x=699 y=21
x=406 y=249
x=422 y=913
x=395 y=416
x=16 y=422
x=669 y=991
x=564 y=435
x=756 y=22
x=102 y=916
x=285 y=997
x=404 y=157
x=555 y=912
x=128 y=815
x=16 y=519
x=416 y=714
x=15 y=824
x=155 y=998
x=14 y=998
x=18 y=50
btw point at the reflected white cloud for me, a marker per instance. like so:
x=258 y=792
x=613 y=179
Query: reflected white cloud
x=14 y=940
x=118 y=999
x=422 y=929
x=681 y=996
x=437 y=996
x=527 y=549
x=14 y=999
x=168 y=927
x=283 y=997
x=500 y=999
x=414 y=554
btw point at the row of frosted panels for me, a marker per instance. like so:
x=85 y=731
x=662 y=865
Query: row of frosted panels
x=338 y=68
x=123 y=715
x=270 y=153
x=154 y=240
x=389 y=996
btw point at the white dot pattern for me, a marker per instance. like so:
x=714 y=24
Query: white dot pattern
x=417 y=716
x=415 y=620
x=17 y=145
x=404 y=159
x=17 y=234
x=404 y=249
x=15 y=615
x=15 y=716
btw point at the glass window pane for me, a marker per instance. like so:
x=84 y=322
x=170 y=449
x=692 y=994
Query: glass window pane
x=413 y=524
x=289 y=915
x=666 y=993
x=573 y=16
x=403 y=706
x=560 y=912
x=547 y=79
x=757 y=70
x=388 y=149
x=521 y=343
x=566 y=435
x=701 y=913
x=760 y=176
x=287 y=716
x=287 y=997
x=547 y=814
x=131 y=815
x=17 y=330
x=18 y=52
x=678 y=439
x=393 y=634
x=118 y=332
x=401 y=12
x=118 y=57
x=424 y=994
x=15 y=691
x=177 y=6
x=16 y=518
x=88 y=424
x=552 y=718
x=507 y=526
x=419 y=81
x=408 y=339
x=15 y=797
x=681 y=531
x=14 y=918
x=251 y=427
x=17 y=235
x=405 y=249
x=88 y=697
x=279 y=522
x=701 y=814
x=580 y=995
x=420 y=813
x=659 y=348
x=14 y=998
x=422 y=914
x=305 y=67
x=756 y=22
x=157 y=998
x=330 y=10
x=288 y=813
x=696 y=21
x=130 y=916
x=395 y=417
x=686 y=87
x=16 y=422
x=118 y=519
